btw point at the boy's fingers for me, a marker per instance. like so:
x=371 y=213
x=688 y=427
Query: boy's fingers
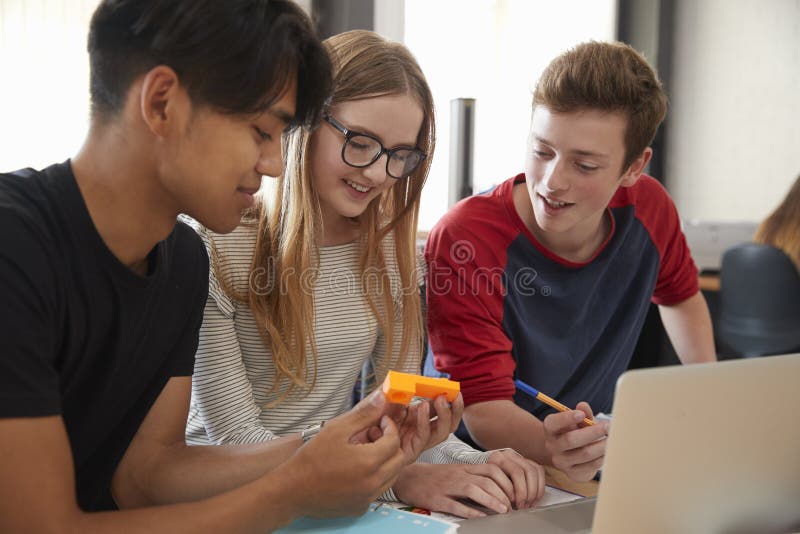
x=561 y=422
x=579 y=438
x=586 y=471
x=383 y=447
x=388 y=427
x=364 y=415
x=398 y=412
x=374 y=433
x=387 y=446
x=587 y=453
x=586 y=409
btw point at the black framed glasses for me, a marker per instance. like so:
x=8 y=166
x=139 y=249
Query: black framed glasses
x=362 y=150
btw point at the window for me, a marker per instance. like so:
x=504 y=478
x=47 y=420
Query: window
x=45 y=90
x=492 y=51
x=489 y=50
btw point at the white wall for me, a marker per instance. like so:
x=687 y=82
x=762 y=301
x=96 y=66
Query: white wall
x=305 y=4
x=389 y=19
x=734 y=133
x=44 y=68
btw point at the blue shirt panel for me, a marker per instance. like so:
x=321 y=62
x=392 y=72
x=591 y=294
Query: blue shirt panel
x=574 y=330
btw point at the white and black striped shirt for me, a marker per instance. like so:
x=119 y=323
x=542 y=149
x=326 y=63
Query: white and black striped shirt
x=234 y=371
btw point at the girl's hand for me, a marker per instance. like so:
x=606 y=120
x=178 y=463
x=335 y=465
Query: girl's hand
x=417 y=431
x=526 y=475
x=452 y=488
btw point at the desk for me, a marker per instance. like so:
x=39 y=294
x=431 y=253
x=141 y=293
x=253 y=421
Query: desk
x=558 y=479
x=520 y=522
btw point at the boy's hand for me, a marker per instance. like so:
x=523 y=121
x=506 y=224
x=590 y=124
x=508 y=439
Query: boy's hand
x=575 y=449
x=337 y=473
x=417 y=432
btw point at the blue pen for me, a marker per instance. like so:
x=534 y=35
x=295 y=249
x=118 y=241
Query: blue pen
x=538 y=395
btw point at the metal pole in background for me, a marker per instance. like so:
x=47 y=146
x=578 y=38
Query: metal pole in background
x=462 y=135
x=337 y=16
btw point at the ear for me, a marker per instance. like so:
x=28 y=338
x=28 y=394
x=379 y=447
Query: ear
x=635 y=169
x=163 y=102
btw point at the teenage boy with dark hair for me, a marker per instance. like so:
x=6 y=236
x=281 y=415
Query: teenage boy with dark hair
x=103 y=293
x=548 y=277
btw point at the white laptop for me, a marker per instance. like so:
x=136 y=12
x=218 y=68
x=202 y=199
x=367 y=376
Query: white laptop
x=705 y=448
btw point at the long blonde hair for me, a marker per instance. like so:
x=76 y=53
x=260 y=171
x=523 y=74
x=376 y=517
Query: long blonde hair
x=365 y=65
x=782 y=228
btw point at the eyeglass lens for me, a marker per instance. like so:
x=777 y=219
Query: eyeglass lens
x=361 y=150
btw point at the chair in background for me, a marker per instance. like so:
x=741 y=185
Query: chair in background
x=759 y=301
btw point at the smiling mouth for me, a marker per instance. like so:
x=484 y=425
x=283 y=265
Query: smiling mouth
x=358 y=187
x=248 y=190
x=554 y=203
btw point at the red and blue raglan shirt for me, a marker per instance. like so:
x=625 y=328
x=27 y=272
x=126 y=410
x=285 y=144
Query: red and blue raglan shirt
x=501 y=306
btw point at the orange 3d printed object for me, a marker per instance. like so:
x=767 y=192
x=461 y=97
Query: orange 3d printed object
x=400 y=388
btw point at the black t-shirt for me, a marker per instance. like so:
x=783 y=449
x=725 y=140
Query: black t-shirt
x=83 y=336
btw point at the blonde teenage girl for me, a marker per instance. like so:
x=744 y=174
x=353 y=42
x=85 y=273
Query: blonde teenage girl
x=322 y=277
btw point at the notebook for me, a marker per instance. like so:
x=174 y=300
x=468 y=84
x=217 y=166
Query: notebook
x=551 y=497
x=378 y=519
x=704 y=448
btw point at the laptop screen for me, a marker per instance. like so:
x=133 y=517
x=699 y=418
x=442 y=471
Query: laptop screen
x=706 y=448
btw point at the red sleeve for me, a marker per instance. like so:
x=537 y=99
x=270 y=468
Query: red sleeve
x=677 y=274
x=465 y=311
